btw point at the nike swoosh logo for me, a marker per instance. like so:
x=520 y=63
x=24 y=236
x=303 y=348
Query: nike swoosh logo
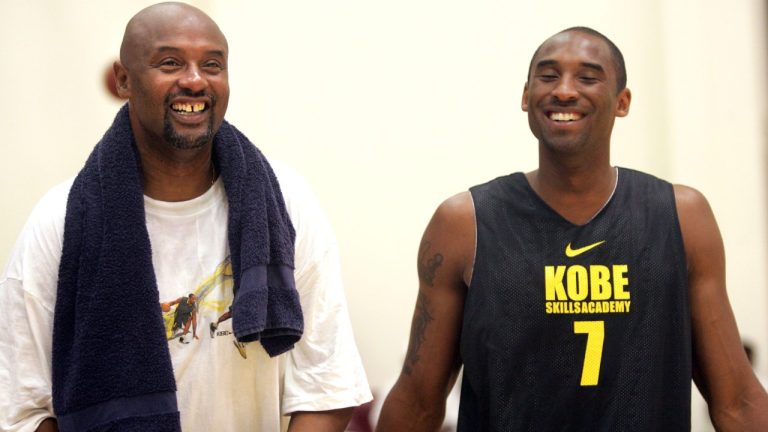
x=570 y=253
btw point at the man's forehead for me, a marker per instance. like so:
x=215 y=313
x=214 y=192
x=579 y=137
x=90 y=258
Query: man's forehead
x=192 y=31
x=172 y=26
x=576 y=45
x=179 y=43
x=164 y=14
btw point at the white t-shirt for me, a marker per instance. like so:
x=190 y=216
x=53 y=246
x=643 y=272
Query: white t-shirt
x=222 y=385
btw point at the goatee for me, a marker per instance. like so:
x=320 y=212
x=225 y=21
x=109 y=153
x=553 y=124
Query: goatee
x=181 y=142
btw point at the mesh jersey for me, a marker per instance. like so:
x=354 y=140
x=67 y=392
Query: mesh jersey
x=578 y=328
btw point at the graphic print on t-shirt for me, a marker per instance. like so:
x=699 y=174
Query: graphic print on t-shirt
x=211 y=299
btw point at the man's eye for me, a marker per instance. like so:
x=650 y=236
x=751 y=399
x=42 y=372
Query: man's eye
x=169 y=64
x=213 y=66
x=547 y=77
x=588 y=79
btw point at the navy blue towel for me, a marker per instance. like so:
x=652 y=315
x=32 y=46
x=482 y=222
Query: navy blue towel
x=111 y=366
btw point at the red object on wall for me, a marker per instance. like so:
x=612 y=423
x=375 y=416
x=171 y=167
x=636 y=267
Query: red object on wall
x=109 y=81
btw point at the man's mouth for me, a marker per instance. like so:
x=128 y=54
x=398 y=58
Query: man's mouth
x=564 y=116
x=189 y=108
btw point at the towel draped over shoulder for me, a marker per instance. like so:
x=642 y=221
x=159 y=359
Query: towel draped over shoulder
x=111 y=365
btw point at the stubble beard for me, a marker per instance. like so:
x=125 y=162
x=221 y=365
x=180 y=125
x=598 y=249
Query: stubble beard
x=563 y=145
x=564 y=142
x=181 y=142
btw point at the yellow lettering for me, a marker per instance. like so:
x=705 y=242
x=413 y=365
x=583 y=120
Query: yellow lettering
x=578 y=285
x=600 y=279
x=554 y=289
x=619 y=282
x=580 y=289
x=593 y=354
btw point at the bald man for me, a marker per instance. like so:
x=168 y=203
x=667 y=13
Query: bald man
x=171 y=173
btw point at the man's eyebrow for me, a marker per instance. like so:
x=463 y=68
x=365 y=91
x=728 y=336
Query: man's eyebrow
x=549 y=62
x=164 y=48
x=218 y=53
x=594 y=66
x=545 y=63
x=213 y=52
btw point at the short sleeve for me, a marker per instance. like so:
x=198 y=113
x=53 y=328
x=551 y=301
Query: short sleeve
x=324 y=370
x=27 y=300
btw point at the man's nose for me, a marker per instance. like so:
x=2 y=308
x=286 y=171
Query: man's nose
x=193 y=80
x=565 y=90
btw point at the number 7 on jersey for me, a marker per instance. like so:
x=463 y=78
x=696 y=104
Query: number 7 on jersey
x=593 y=354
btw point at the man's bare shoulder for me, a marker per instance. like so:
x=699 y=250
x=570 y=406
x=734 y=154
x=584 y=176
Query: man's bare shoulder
x=701 y=235
x=689 y=198
x=457 y=208
x=452 y=232
x=693 y=209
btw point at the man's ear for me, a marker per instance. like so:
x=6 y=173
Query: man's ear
x=121 y=80
x=524 y=102
x=622 y=103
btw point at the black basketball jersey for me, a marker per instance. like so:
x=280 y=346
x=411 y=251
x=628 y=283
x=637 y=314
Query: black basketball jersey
x=577 y=328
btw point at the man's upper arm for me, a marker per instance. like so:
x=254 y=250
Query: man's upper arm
x=324 y=370
x=721 y=368
x=444 y=266
x=444 y=262
x=27 y=299
x=325 y=421
x=25 y=368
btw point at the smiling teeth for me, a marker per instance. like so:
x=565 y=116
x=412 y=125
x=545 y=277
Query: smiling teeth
x=560 y=116
x=186 y=107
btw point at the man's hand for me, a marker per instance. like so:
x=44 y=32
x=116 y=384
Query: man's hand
x=48 y=425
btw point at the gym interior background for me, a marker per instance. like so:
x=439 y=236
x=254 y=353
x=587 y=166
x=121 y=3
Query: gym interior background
x=387 y=108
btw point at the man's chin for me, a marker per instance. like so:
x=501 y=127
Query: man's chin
x=563 y=145
x=182 y=142
x=188 y=141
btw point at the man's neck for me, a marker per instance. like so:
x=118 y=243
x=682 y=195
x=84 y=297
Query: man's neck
x=576 y=191
x=184 y=175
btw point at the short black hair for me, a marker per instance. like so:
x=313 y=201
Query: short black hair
x=618 y=58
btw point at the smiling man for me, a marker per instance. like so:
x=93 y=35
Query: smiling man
x=174 y=202
x=578 y=296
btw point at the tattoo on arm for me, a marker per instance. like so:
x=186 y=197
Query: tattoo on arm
x=427 y=267
x=421 y=319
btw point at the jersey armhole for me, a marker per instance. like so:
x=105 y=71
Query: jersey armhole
x=474 y=246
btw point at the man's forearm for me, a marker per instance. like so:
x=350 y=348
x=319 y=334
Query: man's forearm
x=749 y=415
x=48 y=425
x=398 y=416
x=320 y=421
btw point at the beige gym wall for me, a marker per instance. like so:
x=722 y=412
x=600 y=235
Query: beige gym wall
x=388 y=108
